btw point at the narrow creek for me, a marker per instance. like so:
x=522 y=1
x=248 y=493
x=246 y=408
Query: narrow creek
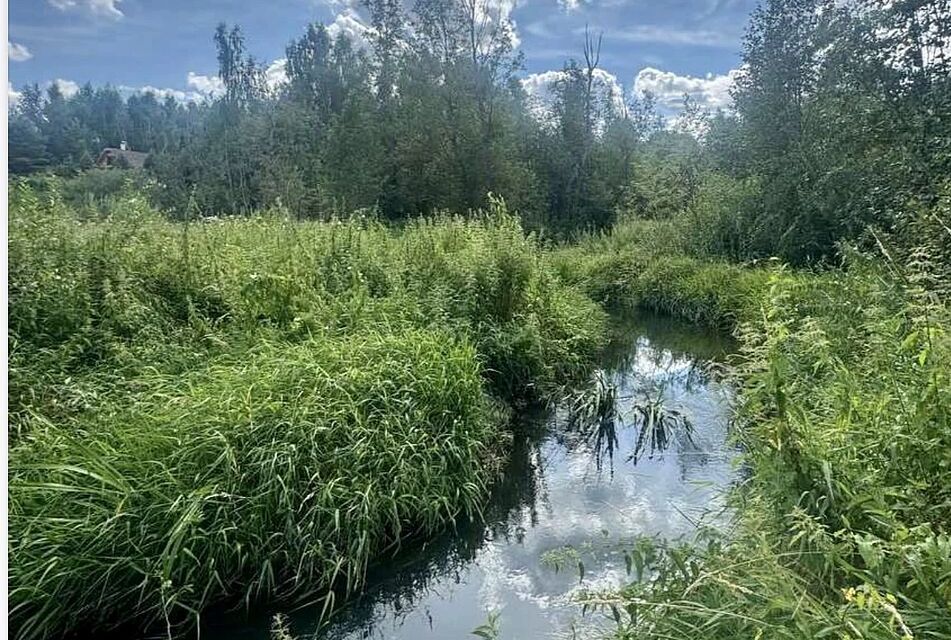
x=571 y=493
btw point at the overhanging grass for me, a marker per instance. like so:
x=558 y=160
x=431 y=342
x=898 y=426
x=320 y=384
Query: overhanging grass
x=282 y=471
x=716 y=294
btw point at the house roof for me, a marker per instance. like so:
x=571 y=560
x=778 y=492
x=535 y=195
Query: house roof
x=111 y=155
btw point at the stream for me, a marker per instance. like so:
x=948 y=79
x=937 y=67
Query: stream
x=573 y=492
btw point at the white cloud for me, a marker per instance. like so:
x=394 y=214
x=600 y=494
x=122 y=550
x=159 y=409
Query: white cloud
x=67 y=87
x=339 y=4
x=211 y=86
x=276 y=74
x=570 y=5
x=161 y=94
x=13 y=96
x=710 y=92
x=614 y=92
x=681 y=124
x=672 y=35
x=349 y=23
x=18 y=52
x=540 y=88
x=103 y=8
x=206 y=85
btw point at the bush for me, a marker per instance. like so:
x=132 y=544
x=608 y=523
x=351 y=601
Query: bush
x=92 y=191
x=721 y=221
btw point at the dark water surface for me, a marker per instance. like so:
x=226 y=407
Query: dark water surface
x=566 y=486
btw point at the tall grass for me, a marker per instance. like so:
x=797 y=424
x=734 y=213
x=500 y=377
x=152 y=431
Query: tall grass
x=282 y=471
x=639 y=265
x=253 y=408
x=113 y=295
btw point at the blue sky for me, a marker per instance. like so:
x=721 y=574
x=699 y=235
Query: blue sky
x=667 y=47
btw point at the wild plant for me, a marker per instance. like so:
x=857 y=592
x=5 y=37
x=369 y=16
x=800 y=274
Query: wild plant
x=232 y=410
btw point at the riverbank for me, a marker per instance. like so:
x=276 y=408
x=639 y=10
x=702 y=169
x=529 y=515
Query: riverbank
x=250 y=409
x=845 y=418
x=245 y=410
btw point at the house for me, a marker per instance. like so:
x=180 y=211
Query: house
x=123 y=157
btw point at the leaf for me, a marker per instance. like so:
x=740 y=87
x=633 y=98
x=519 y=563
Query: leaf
x=488 y=630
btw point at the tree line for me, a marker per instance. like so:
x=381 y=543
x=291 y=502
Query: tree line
x=841 y=125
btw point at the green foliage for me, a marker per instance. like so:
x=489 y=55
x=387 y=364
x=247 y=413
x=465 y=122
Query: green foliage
x=841 y=119
x=426 y=119
x=636 y=266
x=197 y=406
x=51 y=131
x=665 y=176
x=90 y=193
x=721 y=219
x=280 y=471
x=844 y=115
x=843 y=418
x=490 y=629
x=256 y=407
x=872 y=361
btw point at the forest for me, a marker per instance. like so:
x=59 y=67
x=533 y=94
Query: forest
x=303 y=334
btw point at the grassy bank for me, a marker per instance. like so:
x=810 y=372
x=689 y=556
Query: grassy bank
x=635 y=266
x=256 y=408
x=845 y=418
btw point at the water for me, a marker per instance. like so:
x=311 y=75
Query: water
x=570 y=493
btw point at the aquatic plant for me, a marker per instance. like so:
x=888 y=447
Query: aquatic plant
x=491 y=629
x=657 y=426
x=592 y=411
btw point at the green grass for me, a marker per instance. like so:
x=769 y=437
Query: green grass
x=294 y=465
x=635 y=267
x=250 y=409
x=844 y=415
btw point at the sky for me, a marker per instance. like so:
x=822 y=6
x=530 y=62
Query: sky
x=668 y=47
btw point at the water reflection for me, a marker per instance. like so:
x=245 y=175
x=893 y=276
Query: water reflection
x=571 y=483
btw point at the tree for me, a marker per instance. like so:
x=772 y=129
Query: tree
x=26 y=146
